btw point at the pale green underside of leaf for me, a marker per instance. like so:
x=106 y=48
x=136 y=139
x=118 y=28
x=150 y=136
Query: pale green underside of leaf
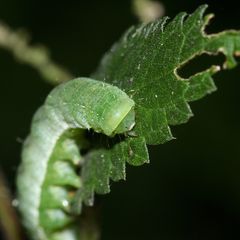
x=144 y=64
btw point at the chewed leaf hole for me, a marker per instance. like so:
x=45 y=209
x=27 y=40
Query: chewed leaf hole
x=199 y=64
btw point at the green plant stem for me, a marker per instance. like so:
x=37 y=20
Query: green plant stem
x=36 y=56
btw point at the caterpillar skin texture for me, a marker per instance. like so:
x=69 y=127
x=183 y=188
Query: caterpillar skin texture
x=47 y=178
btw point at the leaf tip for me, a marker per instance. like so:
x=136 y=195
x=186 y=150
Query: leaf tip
x=202 y=9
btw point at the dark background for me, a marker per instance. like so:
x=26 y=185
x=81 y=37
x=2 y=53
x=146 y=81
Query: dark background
x=191 y=189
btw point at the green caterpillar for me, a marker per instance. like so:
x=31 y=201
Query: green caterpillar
x=47 y=178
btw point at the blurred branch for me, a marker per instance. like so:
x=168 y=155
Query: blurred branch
x=8 y=216
x=35 y=56
x=147 y=10
x=89 y=224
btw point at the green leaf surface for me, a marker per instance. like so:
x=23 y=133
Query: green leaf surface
x=144 y=63
x=105 y=163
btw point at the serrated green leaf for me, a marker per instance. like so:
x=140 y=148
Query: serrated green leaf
x=107 y=163
x=144 y=64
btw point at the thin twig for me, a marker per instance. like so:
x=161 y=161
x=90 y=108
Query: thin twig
x=147 y=10
x=89 y=224
x=36 y=56
x=8 y=217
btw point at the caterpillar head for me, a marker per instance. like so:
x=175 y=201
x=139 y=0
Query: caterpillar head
x=120 y=119
x=117 y=115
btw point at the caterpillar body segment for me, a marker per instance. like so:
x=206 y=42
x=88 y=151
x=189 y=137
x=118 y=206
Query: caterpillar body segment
x=48 y=177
